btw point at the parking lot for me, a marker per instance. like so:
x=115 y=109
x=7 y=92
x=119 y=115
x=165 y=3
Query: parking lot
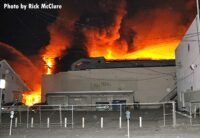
x=63 y=122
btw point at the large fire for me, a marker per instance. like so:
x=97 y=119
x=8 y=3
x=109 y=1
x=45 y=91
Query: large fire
x=157 y=42
x=57 y=45
x=151 y=34
x=33 y=97
x=159 y=51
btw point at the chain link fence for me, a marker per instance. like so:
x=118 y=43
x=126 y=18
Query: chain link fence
x=142 y=115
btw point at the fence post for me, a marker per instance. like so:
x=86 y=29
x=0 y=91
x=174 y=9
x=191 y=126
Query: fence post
x=32 y=121
x=101 y=122
x=65 y=122
x=140 y=121
x=60 y=112
x=27 y=117
x=11 y=120
x=190 y=113
x=40 y=115
x=20 y=117
x=120 y=110
x=16 y=121
x=128 y=132
x=83 y=122
x=195 y=113
x=174 y=114
x=72 y=116
x=10 y=132
x=120 y=122
x=48 y=122
x=199 y=111
x=164 y=114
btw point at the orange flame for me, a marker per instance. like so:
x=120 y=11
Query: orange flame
x=56 y=48
x=50 y=65
x=151 y=52
x=157 y=39
x=31 y=98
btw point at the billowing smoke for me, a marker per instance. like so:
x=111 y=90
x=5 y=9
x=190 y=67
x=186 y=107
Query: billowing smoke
x=119 y=29
x=166 y=22
x=105 y=41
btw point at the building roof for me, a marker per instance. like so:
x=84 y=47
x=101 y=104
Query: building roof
x=101 y=63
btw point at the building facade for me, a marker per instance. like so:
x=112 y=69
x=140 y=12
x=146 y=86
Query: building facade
x=148 y=84
x=188 y=68
x=14 y=84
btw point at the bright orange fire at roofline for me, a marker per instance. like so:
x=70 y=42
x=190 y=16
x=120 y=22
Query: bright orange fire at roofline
x=161 y=51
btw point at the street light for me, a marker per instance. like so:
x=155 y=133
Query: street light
x=2 y=86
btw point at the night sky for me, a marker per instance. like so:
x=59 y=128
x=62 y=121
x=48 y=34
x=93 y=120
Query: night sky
x=27 y=31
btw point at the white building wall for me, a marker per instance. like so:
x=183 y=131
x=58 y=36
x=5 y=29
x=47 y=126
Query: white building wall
x=188 y=53
x=149 y=84
x=13 y=84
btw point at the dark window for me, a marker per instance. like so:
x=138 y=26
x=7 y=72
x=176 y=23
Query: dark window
x=3 y=98
x=3 y=76
x=188 y=47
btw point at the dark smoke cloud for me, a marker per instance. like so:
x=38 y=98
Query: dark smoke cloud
x=137 y=22
x=101 y=13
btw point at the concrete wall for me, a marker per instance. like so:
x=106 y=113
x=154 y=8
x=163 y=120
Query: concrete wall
x=149 y=84
x=89 y=99
x=13 y=84
x=188 y=53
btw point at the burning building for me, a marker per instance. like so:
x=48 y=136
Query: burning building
x=27 y=71
x=113 y=29
x=95 y=80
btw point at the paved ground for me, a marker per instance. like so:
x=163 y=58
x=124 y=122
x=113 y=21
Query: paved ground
x=179 y=132
x=152 y=126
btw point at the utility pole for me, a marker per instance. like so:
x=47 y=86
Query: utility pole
x=198 y=26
